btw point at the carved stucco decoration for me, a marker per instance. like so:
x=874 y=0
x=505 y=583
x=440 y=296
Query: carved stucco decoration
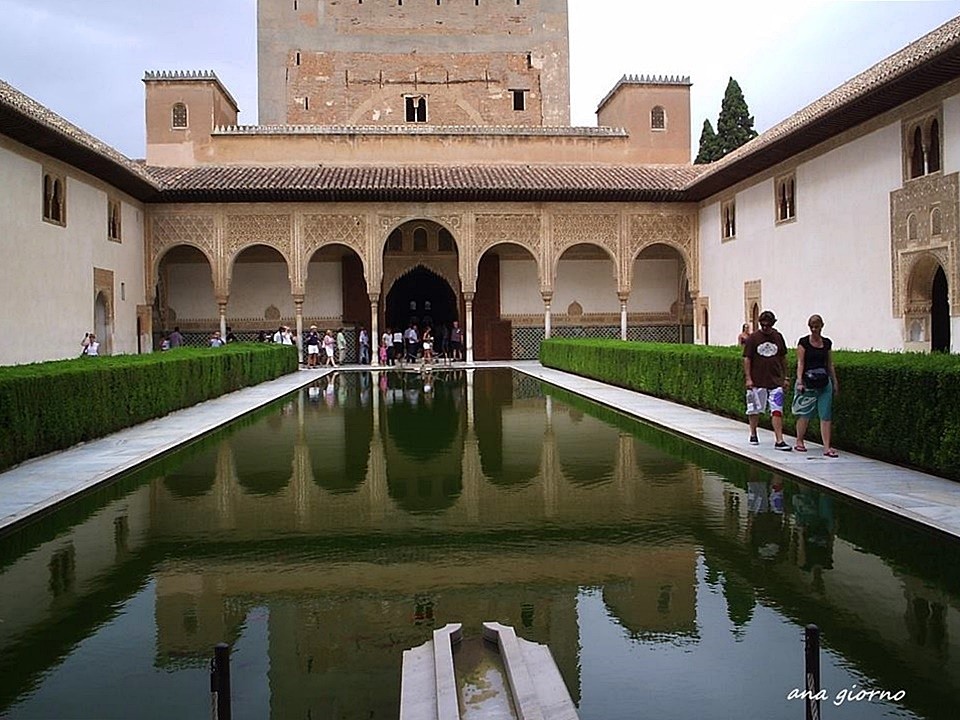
x=274 y=231
x=518 y=228
x=445 y=267
x=320 y=230
x=919 y=198
x=168 y=231
x=752 y=296
x=676 y=231
x=601 y=230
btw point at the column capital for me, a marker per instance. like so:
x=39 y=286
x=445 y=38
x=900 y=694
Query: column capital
x=374 y=297
x=298 y=299
x=222 y=300
x=547 y=295
x=468 y=296
x=623 y=295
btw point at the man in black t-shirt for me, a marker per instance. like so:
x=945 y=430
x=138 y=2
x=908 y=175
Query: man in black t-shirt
x=764 y=371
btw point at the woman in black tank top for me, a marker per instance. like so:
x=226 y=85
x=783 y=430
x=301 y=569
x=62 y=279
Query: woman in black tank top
x=816 y=385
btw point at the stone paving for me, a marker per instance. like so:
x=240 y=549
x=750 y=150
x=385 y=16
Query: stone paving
x=40 y=484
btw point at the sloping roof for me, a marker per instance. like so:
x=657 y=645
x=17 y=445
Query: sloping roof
x=925 y=64
x=426 y=183
x=27 y=121
x=931 y=61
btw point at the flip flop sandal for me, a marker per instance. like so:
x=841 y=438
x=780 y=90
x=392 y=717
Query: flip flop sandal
x=831 y=453
x=800 y=448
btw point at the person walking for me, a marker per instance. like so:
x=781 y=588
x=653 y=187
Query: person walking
x=313 y=347
x=364 y=346
x=764 y=371
x=341 y=346
x=816 y=385
x=176 y=338
x=456 y=341
x=398 y=346
x=386 y=340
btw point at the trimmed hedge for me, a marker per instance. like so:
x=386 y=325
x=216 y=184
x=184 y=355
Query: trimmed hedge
x=53 y=405
x=902 y=408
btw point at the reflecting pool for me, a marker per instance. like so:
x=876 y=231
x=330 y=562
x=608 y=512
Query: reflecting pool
x=325 y=534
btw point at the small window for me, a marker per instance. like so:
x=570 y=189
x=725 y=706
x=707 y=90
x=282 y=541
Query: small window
x=445 y=241
x=54 y=203
x=658 y=118
x=728 y=220
x=911 y=227
x=786 y=198
x=395 y=241
x=416 y=106
x=916 y=157
x=519 y=100
x=420 y=240
x=933 y=155
x=179 y=116
x=113 y=220
x=936 y=222
x=296 y=59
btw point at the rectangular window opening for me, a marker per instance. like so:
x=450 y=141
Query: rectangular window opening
x=519 y=100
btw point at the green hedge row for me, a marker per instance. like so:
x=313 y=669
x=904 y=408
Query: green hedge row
x=50 y=406
x=903 y=408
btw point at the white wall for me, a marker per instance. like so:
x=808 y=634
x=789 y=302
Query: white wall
x=656 y=285
x=592 y=283
x=834 y=259
x=46 y=276
x=520 y=288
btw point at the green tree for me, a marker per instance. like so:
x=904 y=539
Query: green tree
x=709 y=145
x=735 y=124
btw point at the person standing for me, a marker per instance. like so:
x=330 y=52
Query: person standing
x=176 y=338
x=93 y=347
x=764 y=371
x=313 y=347
x=341 y=346
x=364 y=346
x=744 y=335
x=427 y=344
x=329 y=344
x=456 y=341
x=816 y=385
x=398 y=346
x=386 y=340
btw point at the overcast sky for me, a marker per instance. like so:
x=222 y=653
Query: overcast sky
x=84 y=59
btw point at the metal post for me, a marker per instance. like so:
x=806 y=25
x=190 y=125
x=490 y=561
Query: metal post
x=220 y=682
x=811 y=636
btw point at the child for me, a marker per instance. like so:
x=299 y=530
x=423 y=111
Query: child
x=383 y=353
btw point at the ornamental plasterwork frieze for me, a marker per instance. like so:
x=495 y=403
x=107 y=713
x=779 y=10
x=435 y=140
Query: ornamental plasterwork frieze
x=273 y=231
x=521 y=229
x=677 y=231
x=171 y=230
x=319 y=230
x=924 y=222
x=603 y=230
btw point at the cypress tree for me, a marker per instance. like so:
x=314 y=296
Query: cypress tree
x=735 y=124
x=709 y=145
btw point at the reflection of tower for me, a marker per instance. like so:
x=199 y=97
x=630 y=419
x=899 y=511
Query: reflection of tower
x=226 y=486
x=472 y=472
x=549 y=473
x=376 y=490
x=625 y=471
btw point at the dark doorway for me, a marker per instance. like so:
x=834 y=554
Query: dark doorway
x=939 y=314
x=422 y=297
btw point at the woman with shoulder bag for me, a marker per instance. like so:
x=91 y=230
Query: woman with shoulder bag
x=816 y=385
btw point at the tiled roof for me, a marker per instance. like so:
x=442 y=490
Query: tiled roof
x=27 y=121
x=426 y=183
x=921 y=66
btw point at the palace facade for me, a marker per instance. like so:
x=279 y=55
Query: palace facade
x=415 y=163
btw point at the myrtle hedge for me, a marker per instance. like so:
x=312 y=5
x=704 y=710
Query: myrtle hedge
x=902 y=408
x=50 y=406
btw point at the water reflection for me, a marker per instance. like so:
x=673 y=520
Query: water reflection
x=356 y=516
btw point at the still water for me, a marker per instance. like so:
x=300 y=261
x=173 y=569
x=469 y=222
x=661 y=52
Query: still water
x=337 y=527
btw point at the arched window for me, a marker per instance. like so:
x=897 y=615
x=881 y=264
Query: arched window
x=420 y=240
x=786 y=198
x=395 y=241
x=936 y=222
x=728 y=220
x=933 y=156
x=658 y=118
x=416 y=108
x=916 y=154
x=178 y=115
x=911 y=227
x=54 y=206
x=113 y=220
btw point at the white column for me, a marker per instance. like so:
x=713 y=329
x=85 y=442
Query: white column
x=468 y=326
x=623 y=315
x=298 y=311
x=222 y=308
x=374 y=331
x=547 y=297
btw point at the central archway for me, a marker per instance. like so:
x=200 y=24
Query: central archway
x=422 y=297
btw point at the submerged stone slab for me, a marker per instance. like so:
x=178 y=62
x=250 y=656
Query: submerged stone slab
x=429 y=689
